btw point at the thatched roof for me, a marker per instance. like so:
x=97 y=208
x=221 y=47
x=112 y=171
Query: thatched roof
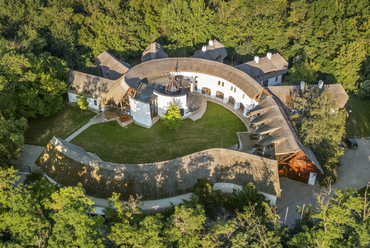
x=117 y=90
x=153 y=51
x=83 y=82
x=100 y=88
x=144 y=70
x=69 y=166
x=111 y=67
x=214 y=51
x=275 y=123
x=265 y=68
x=284 y=92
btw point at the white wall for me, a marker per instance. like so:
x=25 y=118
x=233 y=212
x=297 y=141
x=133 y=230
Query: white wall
x=72 y=99
x=140 y=112
x=164 y=102
x=211 y=82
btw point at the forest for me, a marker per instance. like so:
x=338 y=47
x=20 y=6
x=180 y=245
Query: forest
x=41 y=40
x=39 y=214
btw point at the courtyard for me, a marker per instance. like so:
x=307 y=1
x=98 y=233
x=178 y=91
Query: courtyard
x=135 y=144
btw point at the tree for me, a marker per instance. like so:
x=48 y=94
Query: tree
x=173 y=116
x=320 y=124
x=364 y=90
x=341 y=220
x=185 y=226
x=81 y=102
x=73 y=226
x=303 y=71
x=11 y=136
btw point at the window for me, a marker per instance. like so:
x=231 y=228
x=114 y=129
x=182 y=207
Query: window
x=222 y=84
x=232 y=100
x=235 y=89
x=219 y=83
x=276 y=79
x=219 y=94
x=206 y=91
x=95 y=102
x=231 y=88
x=243 y=96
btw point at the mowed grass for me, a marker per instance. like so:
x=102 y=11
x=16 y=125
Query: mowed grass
x=135 y=144
x=62 y=124
x=358 y=122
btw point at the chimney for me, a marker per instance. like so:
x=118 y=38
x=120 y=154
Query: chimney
x=269 y=55
x=256 y=59
x=210 y=42
x=302 y=85
x=321 y=84
x=204 y=49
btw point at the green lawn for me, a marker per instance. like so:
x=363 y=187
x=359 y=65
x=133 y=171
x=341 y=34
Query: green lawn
x=62 y=124
x=358 y=123
x=135 y=144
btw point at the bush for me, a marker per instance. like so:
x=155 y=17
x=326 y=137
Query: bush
x=363 y=92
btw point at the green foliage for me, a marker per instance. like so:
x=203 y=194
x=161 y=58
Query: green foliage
x=185 y=226
x=321 y=125
x=11 y=136
x=364 y=90
x=73 y=226
x=173 y=116
x=187 y=23
x=304 y=71
x=247 y=197
x=81 y=102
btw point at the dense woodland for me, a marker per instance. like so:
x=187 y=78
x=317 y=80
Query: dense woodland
x=42 y=215
x=41 y=40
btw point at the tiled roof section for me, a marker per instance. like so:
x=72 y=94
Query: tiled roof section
x=339 y=94
x=215 y=52
x=268 y=127
x=144 y=70
x=111 y=67
x=153 y=51
x=265 y=68
x=97 y=86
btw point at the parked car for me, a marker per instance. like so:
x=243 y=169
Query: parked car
x=350 y=143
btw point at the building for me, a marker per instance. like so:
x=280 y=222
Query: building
x=142 y=93
x=268 y=71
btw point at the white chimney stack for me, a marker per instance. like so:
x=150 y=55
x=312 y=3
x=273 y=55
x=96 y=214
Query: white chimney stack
x=302 y=85
x=210 y=42
x=256 y=59
x=321 y=84
x=269 y=55
x=204 y=49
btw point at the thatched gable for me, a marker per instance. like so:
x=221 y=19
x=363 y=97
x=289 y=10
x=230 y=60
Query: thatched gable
x=284 y=93
x=86 y=83
x=69 y=166
x=265 y=68
x=214 y=51
x=153 y=51
x=111 y=67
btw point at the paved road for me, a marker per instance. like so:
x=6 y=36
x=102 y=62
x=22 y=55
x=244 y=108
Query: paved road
x=353 y=172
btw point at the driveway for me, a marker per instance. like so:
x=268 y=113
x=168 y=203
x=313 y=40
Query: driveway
x=353 y=172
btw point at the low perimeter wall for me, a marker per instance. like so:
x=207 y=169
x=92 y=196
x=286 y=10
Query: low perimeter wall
x=68 y=165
